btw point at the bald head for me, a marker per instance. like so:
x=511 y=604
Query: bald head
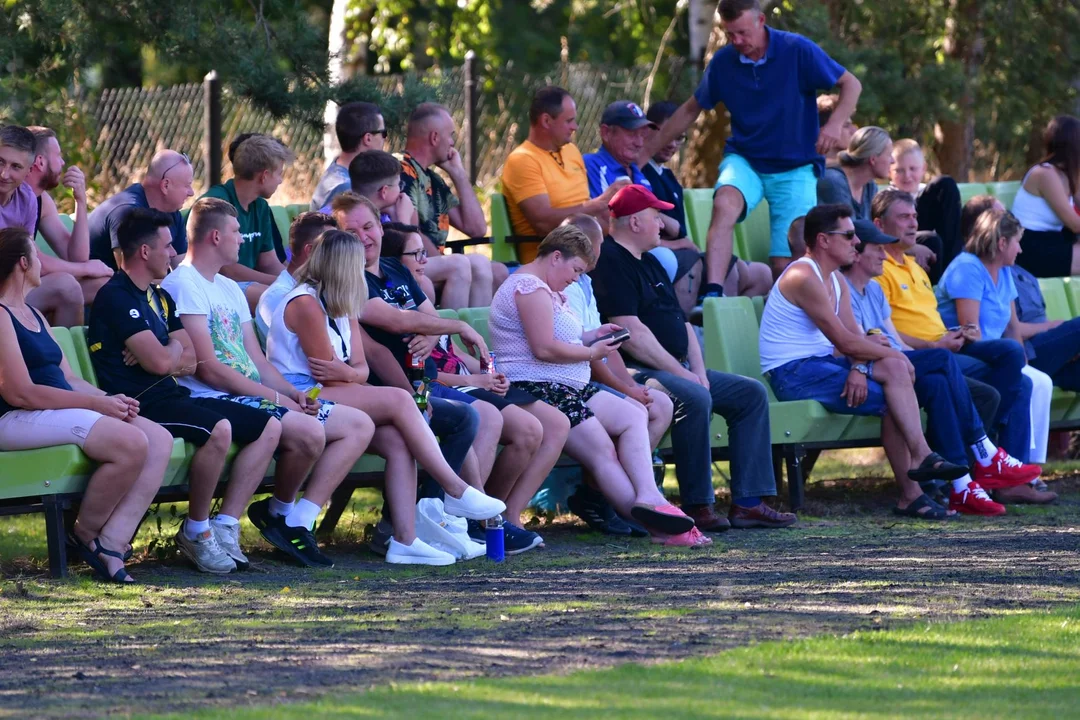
x=168 y=181
x=163 y=161
x=431 y=134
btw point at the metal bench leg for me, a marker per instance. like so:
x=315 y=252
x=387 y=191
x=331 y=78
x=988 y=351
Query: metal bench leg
x=339 y=501
x=793 y=456
x=56 y=535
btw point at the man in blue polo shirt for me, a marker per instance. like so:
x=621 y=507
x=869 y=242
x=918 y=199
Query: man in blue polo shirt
x=768 y=81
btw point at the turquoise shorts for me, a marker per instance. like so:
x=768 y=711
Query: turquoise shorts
x=790 y=194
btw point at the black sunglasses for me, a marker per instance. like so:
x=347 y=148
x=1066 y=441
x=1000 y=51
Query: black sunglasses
x=849 y=234
x=384 y=132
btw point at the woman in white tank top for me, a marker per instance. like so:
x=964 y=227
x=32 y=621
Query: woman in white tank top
x=1045 y=204
x=331 y=285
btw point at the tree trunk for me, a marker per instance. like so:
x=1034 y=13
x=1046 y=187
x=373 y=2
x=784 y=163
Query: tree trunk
x=954 y=139
x=705 y=143
x=699 y=22
x=340 y=70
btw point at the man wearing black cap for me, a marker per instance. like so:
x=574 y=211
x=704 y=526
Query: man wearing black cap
x=632 y=290
x=974 y=403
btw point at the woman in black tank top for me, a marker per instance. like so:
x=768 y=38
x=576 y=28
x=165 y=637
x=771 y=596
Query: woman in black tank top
x=43 y=403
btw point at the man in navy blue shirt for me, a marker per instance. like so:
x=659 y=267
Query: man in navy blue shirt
x=768 y=81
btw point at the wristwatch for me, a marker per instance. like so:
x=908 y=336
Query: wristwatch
x=861 y=368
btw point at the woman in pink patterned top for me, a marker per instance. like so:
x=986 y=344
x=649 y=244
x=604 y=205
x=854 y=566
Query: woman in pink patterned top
x=542 y=349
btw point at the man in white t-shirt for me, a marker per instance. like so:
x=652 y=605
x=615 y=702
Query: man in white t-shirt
x=320 y=439
x=302 y=235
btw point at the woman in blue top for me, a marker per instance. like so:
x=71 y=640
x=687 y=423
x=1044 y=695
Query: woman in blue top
x=978 y=290
x=44 y=404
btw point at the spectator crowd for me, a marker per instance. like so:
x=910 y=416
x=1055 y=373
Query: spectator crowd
x=885 y=296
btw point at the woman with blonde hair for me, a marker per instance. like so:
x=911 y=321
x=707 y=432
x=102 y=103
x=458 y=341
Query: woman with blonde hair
x=867 y=159
x=315 y=339
x=978 y=290
x=544 y=351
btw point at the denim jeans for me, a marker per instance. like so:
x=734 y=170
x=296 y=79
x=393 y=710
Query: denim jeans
x=1055 y=354
x=823 y=378
x=998 y=363
x=952 y=422
x=745 y=405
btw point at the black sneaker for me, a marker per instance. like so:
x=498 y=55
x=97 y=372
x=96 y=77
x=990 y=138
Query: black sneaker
x=477 y=532
x=297 y=542
x=635 y=529
x=381 y=533
x=258 y=513
x=518 y=540
x=597 y=513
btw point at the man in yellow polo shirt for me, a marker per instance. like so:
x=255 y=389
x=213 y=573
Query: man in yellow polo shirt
x=914 y=313
x=544 y=179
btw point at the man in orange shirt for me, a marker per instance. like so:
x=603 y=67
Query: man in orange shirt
x=544 y=178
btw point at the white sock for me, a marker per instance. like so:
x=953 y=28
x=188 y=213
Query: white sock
x=961 y=484
x=195 y=528
x=984 y=451
x=278 y=508
x=225 y=520
x=304 y=514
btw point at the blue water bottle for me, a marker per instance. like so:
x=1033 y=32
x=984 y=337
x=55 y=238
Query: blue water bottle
x=495 y=539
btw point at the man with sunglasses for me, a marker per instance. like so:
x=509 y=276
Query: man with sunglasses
x=813 y=349
x=166 y=186
x=360 y=128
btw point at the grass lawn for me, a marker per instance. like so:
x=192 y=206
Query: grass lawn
x=1022 y=665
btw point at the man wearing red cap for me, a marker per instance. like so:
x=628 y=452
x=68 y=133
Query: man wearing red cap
x=632 y=290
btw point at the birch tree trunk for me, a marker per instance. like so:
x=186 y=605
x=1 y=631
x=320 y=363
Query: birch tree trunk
x=705 y=141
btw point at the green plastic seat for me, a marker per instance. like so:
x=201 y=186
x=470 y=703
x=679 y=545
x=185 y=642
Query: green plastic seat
x=1072 y=293
x=970 y=190
x=82 y=352
x=448 y=313
x=501 y=228
x=759 y=307
x=697 y=202
x=295 y=209
x=282 y=220
x=1056 y=298
x=1004 y=191
x=752 y=236
x=731 y=345
x=478 y=319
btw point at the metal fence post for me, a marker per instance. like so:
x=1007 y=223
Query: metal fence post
x=470 y=115
x=212 y=139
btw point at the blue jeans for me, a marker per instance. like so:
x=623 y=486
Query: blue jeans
x=1055 y=354
x=998 y=363
x=952 y=422
x=823 y=378
x=745 y=405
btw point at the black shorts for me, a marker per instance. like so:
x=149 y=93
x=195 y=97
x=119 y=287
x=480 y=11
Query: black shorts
x=514 y=396
x=193 y=419
x=567 y=400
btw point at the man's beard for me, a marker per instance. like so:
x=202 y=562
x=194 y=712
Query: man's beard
x=52 y=181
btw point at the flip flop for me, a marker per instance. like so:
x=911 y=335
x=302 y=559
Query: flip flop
x=933 y=510
x=91 y=556
x=668 y=519
x=935 y=467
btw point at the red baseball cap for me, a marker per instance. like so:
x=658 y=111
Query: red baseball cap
x=635 y=198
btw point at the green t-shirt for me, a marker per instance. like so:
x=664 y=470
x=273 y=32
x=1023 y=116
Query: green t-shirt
x=256 y=223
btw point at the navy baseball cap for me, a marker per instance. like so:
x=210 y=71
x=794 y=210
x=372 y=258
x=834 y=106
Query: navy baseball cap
x=868 y=232
x=626 y=115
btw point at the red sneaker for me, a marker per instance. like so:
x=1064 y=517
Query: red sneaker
x=974 y=501
x=1005 y=471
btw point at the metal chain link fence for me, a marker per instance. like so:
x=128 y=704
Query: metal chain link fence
x=134 y=123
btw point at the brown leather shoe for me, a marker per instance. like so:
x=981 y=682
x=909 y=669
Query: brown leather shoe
x=761 y=516
x=1023 y=494
x=706 y=519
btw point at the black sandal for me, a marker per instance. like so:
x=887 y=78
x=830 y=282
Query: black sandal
x=923 y=502
x=91 y=556
x=935 y=467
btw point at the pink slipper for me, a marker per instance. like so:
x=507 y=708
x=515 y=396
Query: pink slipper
x=692 y=538
x=666 y=518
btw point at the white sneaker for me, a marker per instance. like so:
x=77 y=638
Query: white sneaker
x=204 y=552
x=228 y=537
x=419 y=553
x=473 y=505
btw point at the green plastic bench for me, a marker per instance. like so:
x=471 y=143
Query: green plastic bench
x=1004 y=191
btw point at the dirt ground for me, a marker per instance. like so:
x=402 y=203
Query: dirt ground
x=181 y=641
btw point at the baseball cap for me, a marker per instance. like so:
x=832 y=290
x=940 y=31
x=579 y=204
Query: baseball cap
x=868 y=232
x=626 y=115
x=635 y=198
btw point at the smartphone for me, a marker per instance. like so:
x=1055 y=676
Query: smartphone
x=619 y=336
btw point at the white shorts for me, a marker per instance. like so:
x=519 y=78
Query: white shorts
x=32 y=429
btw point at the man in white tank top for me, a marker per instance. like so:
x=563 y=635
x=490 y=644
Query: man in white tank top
x=812 y=349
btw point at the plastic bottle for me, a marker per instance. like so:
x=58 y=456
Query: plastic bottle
x=313 y=393
x=491 y=364
x=415 y=371
x=495 y=539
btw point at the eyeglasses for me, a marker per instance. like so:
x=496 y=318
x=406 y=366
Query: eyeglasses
x=384 y=132
x=183 y=159
x=417 y=255
x=849 y=234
